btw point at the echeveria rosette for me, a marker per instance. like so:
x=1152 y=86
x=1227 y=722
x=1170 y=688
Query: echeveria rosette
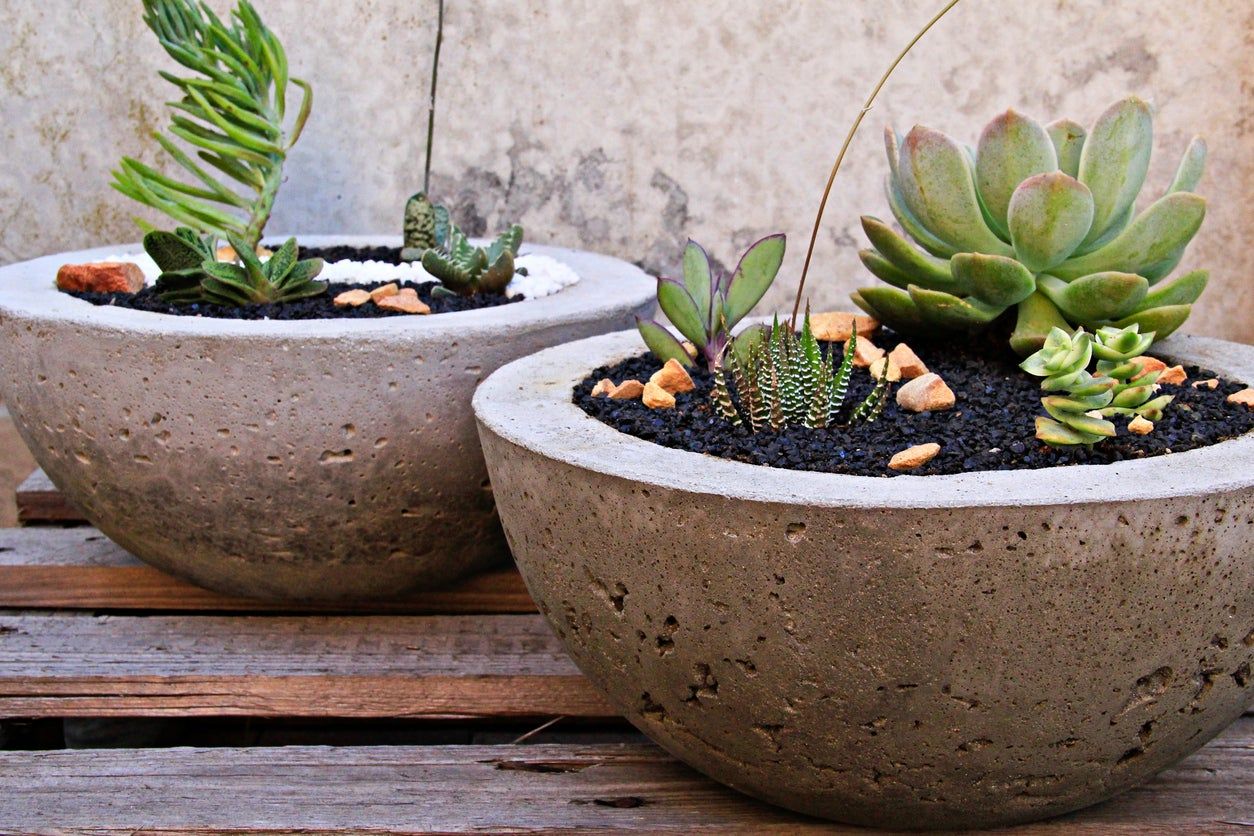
x=708 y=303
x=1037 y=217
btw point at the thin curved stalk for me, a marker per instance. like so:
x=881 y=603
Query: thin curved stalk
x=435 y=72
x=840 y=157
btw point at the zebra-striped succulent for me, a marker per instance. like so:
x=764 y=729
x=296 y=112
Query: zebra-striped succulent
x=1037 y=217
x=783 y=380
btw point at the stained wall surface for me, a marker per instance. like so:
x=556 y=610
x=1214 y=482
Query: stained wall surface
x=627 y=126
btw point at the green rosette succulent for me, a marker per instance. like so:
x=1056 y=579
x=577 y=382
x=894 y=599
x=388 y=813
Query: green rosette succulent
x=1040 y=218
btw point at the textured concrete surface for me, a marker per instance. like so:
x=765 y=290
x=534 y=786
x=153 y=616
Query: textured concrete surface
x=938 y=651
x=623 y=127
x=323 y=459
x=16 y=463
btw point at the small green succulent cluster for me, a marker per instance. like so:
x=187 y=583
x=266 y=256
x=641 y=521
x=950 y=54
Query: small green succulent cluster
x=191 y=271
x=783 y=379
x=462 y=268
x=231 y=114
x=1040 y=218
x=708 y=303
x=1080 y=415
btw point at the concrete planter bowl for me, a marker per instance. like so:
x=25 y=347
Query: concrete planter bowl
x=916 y=652
x=316 y=460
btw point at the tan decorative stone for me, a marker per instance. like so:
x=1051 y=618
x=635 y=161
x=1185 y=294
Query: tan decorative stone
x=628 y=390
x=227 y=253
x=1174 y=375
x=690 y=349
x=1213 y=383
x=405 y=301
x=866 y=352
x=916 y=456
x=1140 y=425
x=352 y=298
x=877 y=369
x=926 y=394
x=1245 y=398
x=101 y=277
x=907 y=361
x=836 y=326
x=1148 y=365
x=673 y=377
x=384 y=290
x=603 y=387
x=655 y=397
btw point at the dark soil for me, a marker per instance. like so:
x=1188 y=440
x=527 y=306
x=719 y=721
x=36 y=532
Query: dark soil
x=992 y=427
x=315 y=307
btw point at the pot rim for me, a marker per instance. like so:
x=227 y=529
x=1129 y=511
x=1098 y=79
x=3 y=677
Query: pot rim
x=528 y=403
x=27 y=290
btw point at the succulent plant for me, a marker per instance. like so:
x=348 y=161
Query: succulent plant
x=708 y=303
x=191 y=271
x=426 y=227
x=1037 y=217
x=1063 y=361
x=232 y=114
x=1079 y=415
x=783 y=379
x=1115 y=350
x=464 y=269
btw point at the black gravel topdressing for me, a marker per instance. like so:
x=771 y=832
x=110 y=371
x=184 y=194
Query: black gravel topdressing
x=992 y=426
x=316 y=307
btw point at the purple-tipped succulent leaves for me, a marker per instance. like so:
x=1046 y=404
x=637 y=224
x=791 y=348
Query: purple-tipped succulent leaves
x=708 y=303
x=1041 y=218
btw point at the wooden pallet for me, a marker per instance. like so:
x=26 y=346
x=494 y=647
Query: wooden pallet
x=86 y=631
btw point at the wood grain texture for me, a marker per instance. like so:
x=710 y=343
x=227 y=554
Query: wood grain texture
x=76 y=664
x=40 y=502
x=518 y=788
x=79 y=568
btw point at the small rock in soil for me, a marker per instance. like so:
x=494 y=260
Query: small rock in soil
x=315 y=307
x=102 y=277
x=992 y=428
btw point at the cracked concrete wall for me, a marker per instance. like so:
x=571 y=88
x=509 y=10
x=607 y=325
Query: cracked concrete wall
x=624 y=127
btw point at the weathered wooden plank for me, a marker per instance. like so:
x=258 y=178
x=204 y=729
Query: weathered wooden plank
x=79 y=568
x=75 y=664
x=40 y=502
x=492 y=788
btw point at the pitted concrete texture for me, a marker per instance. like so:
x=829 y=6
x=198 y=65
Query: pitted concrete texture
x=626 y=127
x=922 y=651
x=323 y=460
x=16 y=463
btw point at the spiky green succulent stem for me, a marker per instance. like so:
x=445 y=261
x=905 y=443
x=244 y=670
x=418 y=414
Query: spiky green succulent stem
x=1077 y=415
x=1116 y=349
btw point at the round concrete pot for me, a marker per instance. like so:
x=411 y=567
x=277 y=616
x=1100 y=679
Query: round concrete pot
x=914 y=652
x=315 y=460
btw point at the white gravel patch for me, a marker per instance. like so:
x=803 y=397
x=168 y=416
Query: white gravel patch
x=545 y=275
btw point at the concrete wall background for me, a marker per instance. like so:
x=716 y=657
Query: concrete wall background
x=626 y=126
